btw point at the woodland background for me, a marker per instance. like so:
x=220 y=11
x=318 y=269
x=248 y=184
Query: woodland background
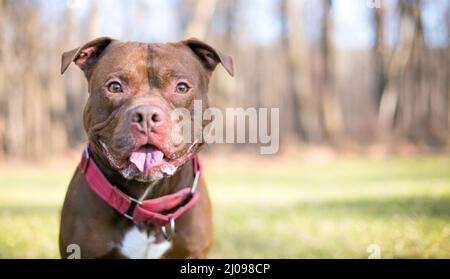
x=363 y=90
x=332 y=87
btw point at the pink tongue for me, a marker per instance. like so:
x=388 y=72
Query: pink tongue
x=146 y=157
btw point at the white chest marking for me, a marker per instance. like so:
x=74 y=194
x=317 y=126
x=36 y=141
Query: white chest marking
x=137 y=244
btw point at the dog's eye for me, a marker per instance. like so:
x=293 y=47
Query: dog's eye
x=182 y=87
x=115 y=87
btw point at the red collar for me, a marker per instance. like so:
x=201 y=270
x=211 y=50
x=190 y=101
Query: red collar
x=150 y=210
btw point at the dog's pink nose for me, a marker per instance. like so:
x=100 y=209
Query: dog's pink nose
x=147 y=117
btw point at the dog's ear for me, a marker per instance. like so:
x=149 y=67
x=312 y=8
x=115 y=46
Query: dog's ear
x=85 y=56
x=209 y=56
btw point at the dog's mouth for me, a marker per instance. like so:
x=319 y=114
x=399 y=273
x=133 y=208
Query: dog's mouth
x=149 y=160
x=147 y=157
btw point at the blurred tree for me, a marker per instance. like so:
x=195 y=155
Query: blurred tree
x=292 y=45
x=379 y=53
x=198 y=26
x=329 y=113
x=2 y=79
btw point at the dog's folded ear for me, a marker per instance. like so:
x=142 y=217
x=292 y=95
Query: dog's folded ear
x=85 y=56
x=209 y=56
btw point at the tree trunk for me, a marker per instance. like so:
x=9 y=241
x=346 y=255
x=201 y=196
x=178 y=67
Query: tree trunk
x=330 y=115
x=198 y=26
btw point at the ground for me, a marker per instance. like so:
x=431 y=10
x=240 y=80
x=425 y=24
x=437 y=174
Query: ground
x=396 y=207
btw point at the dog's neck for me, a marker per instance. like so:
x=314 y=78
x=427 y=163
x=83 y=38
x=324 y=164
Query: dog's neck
x=183 y=177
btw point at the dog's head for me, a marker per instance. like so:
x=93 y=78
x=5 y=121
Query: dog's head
x=134 y=89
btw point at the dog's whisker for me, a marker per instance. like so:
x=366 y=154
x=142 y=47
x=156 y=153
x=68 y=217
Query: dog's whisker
x=192 y=145
x=147 y=191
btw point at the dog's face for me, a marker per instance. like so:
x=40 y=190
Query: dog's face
x=133 y=90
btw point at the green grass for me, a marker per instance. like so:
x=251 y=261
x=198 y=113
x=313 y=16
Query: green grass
x=293 y=210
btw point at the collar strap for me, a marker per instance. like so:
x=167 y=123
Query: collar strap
x=151 y=210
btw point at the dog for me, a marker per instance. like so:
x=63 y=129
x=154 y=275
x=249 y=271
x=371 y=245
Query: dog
x=137 y=193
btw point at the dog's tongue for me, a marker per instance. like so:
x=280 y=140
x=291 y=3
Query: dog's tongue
x=146 y=157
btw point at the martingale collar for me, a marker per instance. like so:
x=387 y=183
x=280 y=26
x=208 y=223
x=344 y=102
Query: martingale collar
x=150 y=210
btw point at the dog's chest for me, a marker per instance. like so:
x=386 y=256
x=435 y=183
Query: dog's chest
x=137 y=244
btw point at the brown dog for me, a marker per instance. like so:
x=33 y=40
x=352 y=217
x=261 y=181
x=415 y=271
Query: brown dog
x=133 y=89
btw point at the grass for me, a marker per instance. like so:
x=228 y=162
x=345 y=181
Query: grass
x=266 y=210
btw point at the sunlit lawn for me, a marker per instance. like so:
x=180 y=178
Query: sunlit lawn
x=294 y=210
